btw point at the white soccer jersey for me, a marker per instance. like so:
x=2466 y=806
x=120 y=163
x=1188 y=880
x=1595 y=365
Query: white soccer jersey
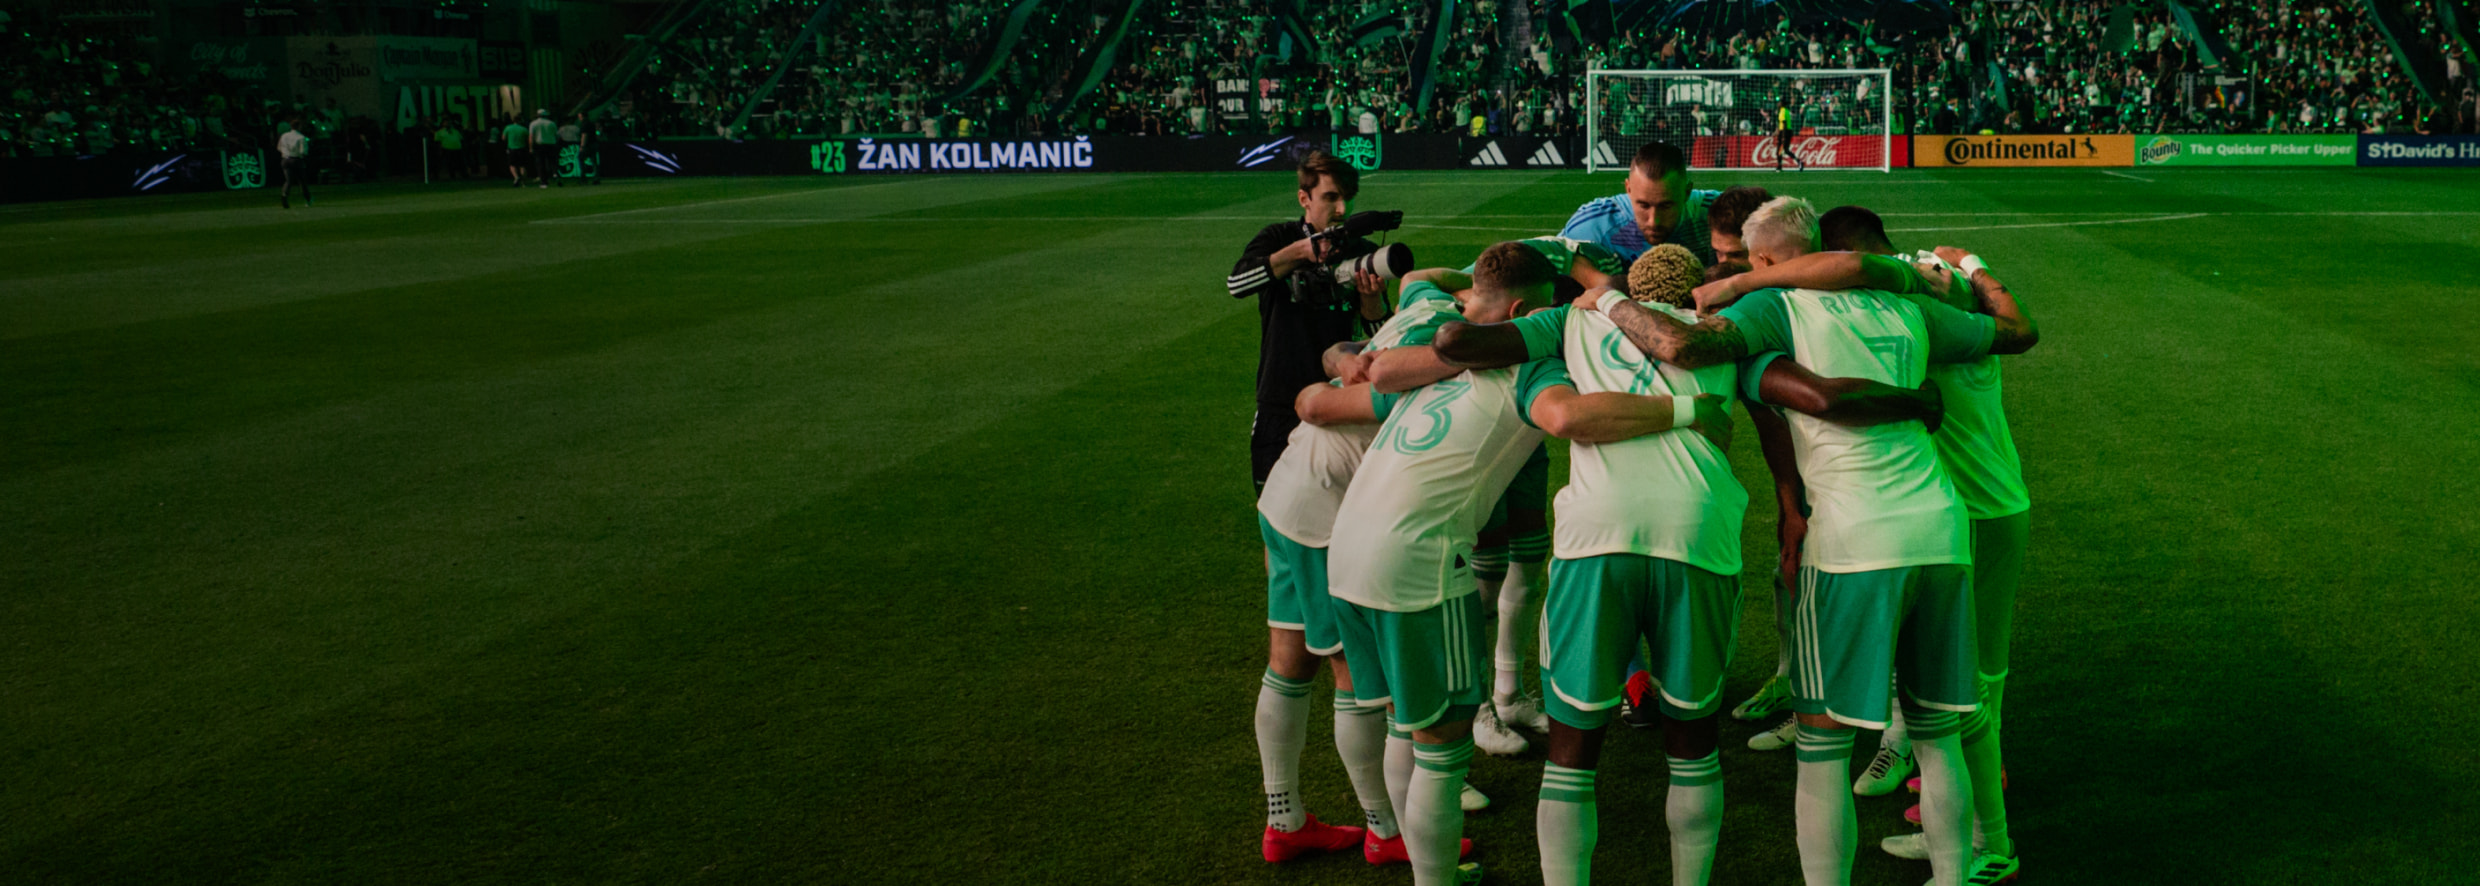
x=1670 y=495
x=1307 y=483
x=1404 y=534
x=1878 y=496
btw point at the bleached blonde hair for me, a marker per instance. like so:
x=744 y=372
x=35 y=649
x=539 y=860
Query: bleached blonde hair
x=1667 y=273
x=1785 y=227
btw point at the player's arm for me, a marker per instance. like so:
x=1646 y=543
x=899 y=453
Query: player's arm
x=1480 y=346
x=1325 y=404
x=1849 y=401
x=1823 y=270
x=1790 y=494
x=1710 y=341
x=1449 y=279
x=1399 y=369
x=2016 y=331
x=1610 y=417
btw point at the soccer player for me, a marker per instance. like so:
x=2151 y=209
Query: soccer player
x=1399 y=563
x=1656 y=207
x=1885 y=572
x=1978 y=451
x=1648 y=547
x=1296 y=517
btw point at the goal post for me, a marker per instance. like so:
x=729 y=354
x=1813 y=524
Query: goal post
x=1840 y=118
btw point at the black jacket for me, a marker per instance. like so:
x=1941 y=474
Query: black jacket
x=1292 y=334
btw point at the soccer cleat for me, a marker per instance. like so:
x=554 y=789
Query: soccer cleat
x=1914 y=846
x=1636 y=706
x=1314 y=836
x=1988 y=870
x=1912 y=815
x=1467 y=873
x=1525 y=711
x=1772 y=698
x=1885 y=771
x=1494 y=737
x=1777 y=738
x=1391 y=850
x=1473 y=799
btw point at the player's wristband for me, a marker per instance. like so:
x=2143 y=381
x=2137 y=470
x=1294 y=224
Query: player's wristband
x=1972 y=265
x=1683 y=411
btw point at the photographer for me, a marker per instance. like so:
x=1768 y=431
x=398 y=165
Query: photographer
x=1302 y=308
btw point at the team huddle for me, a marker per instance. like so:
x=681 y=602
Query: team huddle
x=1409 y=545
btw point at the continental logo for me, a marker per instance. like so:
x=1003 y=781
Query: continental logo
x=2161 y=149
x=2024 y=150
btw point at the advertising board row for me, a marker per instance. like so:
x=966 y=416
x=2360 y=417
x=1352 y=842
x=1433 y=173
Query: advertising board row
x=60 y=178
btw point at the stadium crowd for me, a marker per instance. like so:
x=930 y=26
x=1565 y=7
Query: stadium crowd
x=2057 y=66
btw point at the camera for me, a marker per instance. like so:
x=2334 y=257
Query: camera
x=1349 y=252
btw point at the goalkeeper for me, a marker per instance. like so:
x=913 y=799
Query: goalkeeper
x=1656 y=207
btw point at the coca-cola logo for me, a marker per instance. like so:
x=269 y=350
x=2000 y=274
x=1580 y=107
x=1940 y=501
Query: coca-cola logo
x=1815 y=150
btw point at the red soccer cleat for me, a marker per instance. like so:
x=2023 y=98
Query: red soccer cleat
x=1391 y=850
x=1913 y=814
x=1314 y=836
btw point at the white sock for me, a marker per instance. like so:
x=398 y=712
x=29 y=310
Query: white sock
x=1945 y=795
x=1399 y=770
x=1567 y=825
x=1695 y=813
x=1896 y=736
x=1282 y=727
x=1821 y=806
x=1434 y=813
x=1987 y=767
x=1360 y=739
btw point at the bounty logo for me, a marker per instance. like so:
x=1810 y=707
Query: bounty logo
x=1263 y=154
x=242 y=171
x=1489 y=155
x=1365 y=152
x=2161 y=149
x=827 y=157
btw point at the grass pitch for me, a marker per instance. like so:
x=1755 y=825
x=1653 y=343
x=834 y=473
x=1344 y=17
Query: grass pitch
x=898 y=530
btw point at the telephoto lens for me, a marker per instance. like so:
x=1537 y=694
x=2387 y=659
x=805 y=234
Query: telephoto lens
x=1389 y=263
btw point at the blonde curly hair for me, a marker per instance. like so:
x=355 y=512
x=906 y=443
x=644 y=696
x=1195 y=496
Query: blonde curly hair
x=1666 y=274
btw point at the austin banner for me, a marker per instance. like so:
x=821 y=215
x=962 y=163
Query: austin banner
x=2419 y=150
x=2023 y=150
x=1820 y=151
x=2246 y=150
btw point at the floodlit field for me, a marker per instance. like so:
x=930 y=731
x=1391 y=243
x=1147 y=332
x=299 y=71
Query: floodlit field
x=899 y=530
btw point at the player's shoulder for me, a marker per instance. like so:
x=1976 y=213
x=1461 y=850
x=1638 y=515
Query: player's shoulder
x=1599 y=209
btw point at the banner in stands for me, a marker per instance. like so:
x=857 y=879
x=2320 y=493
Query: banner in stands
x=2419 y=150
x=258 y=61
x=1759 y=152
x=2023 y=150
x=2246 y=150
x=356 y=72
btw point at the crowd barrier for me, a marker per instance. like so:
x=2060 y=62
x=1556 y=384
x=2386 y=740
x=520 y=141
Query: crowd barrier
x=64 y=178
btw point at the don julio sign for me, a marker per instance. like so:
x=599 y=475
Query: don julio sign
x=2023 y=150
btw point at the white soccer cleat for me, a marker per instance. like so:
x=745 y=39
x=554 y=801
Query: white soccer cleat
x=1772 y=698
x=1912 y=846
x=1473 y=799
x=1886 y=772
x=1493 y=737
x=1525 y=711
x=1777 y=738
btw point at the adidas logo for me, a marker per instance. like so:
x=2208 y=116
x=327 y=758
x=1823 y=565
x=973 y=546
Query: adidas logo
x=1603 y=155
x=1548 y=156
x=1490 y=155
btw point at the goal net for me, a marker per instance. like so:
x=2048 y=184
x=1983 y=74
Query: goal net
x=1839 y=119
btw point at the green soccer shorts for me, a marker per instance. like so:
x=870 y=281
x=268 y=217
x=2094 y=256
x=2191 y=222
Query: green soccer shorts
x=1296 y=598
x=1853 y=632
x=1997 y=570
x=1432 y=665
x=1599 y=606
